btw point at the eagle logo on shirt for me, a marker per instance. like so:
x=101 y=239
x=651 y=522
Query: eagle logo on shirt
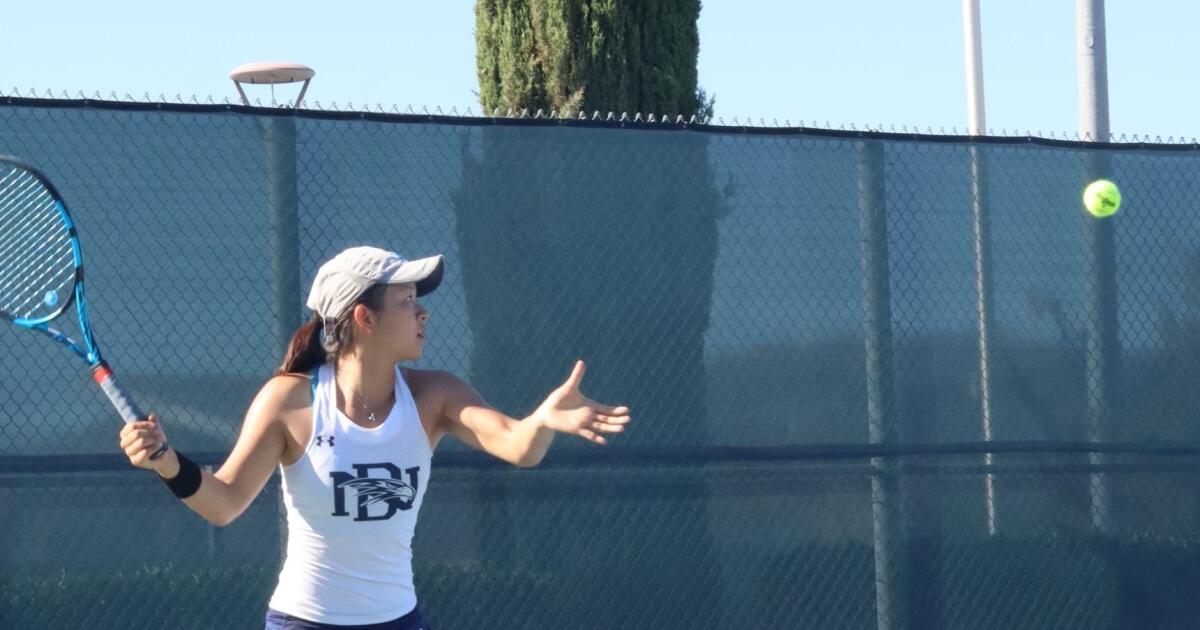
x=374 y=490
x=378 y=498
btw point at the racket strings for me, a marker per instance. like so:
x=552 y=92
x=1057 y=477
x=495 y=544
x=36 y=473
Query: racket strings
x=33 y=293
x=23 y=287
x=18 y=191
x=37 y=264
x=25 y=239
x=40 y=231
x=17 y=197
x=19 y=211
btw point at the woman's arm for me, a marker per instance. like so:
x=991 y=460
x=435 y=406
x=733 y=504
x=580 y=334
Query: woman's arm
x=467 y=417
x=225 y=494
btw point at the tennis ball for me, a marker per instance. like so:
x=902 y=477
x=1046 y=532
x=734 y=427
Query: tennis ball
x=51 y=298
x=1102 y=198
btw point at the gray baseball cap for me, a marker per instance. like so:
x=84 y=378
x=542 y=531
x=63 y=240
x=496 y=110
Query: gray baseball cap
x=345 y=277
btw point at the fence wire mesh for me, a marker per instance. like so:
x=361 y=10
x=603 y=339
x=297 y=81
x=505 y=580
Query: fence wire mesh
x=879 y=381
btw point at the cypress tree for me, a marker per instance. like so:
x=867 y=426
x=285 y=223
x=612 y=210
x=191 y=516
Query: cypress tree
x=570 y=56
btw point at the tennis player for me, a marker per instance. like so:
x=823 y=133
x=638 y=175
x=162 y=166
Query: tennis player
x=353 y=434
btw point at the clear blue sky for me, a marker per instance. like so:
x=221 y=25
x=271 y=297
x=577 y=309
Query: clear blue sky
x=841 y=62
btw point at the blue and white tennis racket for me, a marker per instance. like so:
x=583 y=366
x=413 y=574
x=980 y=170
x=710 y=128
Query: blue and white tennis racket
x=41 y=272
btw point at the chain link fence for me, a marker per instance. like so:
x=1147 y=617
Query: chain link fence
x=878 y=380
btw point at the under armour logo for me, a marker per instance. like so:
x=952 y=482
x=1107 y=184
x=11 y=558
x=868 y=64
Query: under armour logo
x=326 y=440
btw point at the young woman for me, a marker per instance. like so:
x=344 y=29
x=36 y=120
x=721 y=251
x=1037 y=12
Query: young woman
x=353 y=434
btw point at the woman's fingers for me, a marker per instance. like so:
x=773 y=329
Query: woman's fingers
x=128 y=439
x=138 y=458
x=607 y=426
x=576 y=376
x=134 y=427
x=591 y=436
x=607 y=410
x=144 y=435
x=600 y=422
x=140 y=440
x=148 y=445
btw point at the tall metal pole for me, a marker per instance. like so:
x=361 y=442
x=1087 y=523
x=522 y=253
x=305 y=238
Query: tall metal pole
x=973 y=51
x=1103 y=343
x=976 y=126
x=1092 y=47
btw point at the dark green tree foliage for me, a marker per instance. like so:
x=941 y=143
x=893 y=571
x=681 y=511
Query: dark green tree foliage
x=599 y=244
x=571 y=55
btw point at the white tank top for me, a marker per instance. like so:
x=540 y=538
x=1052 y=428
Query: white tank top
x=352 y=502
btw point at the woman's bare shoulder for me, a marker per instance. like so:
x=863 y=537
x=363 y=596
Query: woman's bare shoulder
x=428 y=382
x=286 y=392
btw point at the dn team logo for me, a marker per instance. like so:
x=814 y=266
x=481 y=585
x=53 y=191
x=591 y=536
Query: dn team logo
x=379 y=498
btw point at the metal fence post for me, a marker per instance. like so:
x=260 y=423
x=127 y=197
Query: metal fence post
x=985 y=314
x=279 y=140
x=891 y=602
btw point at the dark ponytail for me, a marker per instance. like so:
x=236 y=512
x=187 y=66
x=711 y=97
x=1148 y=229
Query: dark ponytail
x=304 y=351
x=307 y=349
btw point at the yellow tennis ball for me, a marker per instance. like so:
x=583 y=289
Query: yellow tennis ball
x=1102 y=198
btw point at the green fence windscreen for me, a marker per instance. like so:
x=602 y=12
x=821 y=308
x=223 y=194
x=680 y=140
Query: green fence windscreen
x=878 y=381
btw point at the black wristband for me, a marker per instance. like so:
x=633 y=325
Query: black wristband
x=187 y=482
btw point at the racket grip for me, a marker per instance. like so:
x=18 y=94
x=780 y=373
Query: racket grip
x=129 y=410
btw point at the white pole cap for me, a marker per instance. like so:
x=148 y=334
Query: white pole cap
x=271 y=73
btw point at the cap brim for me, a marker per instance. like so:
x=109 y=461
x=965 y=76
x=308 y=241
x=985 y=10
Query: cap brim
x=426 y=273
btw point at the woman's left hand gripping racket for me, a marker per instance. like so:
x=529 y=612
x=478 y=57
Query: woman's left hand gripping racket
x=41 y=272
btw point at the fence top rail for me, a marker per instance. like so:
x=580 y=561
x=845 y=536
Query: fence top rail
x=641 y=121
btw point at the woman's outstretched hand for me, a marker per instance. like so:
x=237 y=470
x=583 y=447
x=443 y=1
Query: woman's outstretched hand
x=567 y=410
